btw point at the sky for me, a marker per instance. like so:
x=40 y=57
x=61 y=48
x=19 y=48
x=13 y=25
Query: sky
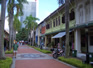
x=45 y=7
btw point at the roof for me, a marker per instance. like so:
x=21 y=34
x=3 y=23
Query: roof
x=56 y=11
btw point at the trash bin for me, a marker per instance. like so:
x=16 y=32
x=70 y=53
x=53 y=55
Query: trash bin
x=91 y=57
x=74 y=53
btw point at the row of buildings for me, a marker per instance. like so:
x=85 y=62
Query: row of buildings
x=52 y=28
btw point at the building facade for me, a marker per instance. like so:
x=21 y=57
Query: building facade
x=55 y=24
x=80 y=27
x=84 y=21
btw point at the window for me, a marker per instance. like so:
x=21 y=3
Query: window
x=54 y=22
x=47 y=26
x=72 y=15
x=59 y=20
x=91 y=40
x=81 y=15
x=63 y=19
x=87 y=10
x=50 y=24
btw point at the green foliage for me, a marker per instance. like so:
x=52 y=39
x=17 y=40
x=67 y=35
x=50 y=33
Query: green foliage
x=16 y=23
x=43 y=51
x=30 y=22
x=22 y=35
x=9 y=52
x=18 y=4
x=6 y=63
x=75 y=62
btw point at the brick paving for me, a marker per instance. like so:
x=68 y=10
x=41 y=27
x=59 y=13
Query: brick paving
x=38 y=62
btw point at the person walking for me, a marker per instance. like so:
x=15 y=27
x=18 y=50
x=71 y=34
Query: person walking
x=15 y=47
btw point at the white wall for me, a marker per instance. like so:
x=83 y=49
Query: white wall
x=77 y=41
x=91 y=11
x=84 y=11
x=84 y=14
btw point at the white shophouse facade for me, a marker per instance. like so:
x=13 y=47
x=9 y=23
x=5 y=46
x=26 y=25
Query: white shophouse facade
x=84 y=14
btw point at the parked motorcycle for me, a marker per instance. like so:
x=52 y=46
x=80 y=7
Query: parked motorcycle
x=57 y=53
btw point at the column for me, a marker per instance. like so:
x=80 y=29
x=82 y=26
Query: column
x=45 y=41
x=38 y=40
x=78 y=40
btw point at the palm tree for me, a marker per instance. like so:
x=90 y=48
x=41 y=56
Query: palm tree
x=16 y=26
x=2 y=21
x=29 y=22
x=11 y=5
x=34 y=27
x=67 y=26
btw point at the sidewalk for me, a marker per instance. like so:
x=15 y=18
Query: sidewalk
x=29 y=58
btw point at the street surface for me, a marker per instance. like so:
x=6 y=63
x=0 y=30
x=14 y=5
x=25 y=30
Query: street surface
x=28 y=57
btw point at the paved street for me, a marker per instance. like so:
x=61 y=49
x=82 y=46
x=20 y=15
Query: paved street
x=29 y=58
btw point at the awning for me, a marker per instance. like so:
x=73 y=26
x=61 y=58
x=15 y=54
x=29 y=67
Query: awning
x=59 y=35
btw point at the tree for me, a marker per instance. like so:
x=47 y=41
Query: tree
x=16 y=25
x=22 y=35
x=34 y=27
x=18 y=4
x=30 y=24
x=67 y=26
x=2 y=21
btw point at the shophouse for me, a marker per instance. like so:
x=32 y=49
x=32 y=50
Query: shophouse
x=80 y=27
x=84 y=27
x=41 y=32
x=55 y=26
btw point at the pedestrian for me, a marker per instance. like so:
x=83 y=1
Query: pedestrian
x=15 y=47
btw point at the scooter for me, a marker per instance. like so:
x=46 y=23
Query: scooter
x=57 y=53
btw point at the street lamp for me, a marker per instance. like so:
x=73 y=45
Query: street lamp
x=87 y=54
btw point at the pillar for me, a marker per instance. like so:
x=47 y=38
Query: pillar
x=78 y=40
x=45 y=41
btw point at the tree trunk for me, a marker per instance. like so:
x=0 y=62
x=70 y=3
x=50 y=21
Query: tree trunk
x=30 y=38
x=10 y=28
x=14 y=34
x=2 y=21
x=67 y=28
x=33 y=37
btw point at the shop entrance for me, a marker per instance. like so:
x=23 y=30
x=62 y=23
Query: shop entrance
x=56 y=41
x=83 y=42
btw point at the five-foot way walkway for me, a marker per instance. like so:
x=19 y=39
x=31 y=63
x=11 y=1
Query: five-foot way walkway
x=28 y=57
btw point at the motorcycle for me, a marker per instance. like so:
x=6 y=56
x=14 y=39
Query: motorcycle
x=57 y=53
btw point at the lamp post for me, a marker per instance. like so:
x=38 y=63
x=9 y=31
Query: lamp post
x=87 y=54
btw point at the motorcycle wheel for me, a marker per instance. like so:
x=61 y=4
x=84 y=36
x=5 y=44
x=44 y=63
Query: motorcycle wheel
x=55 y=55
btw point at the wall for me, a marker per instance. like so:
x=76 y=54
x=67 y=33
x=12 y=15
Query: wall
x=60 y=27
